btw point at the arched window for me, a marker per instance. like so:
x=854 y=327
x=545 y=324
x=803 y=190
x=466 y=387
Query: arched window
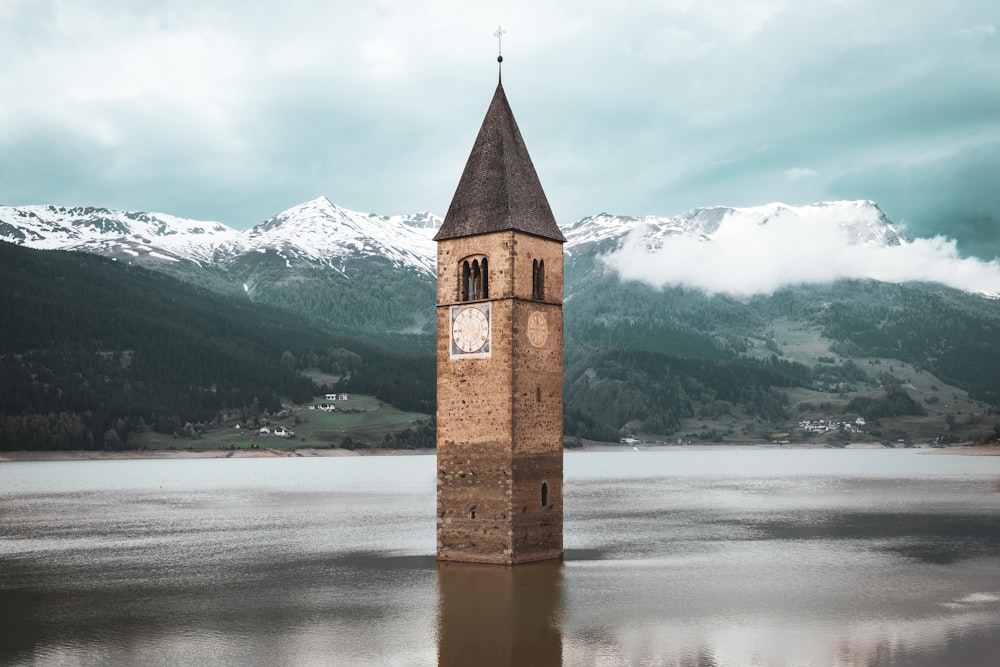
x=545 y=494
x=538 y=279
x=474 y=280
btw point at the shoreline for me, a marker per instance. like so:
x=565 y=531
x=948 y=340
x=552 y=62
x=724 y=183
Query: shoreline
x=309 y=452
x=144 y=454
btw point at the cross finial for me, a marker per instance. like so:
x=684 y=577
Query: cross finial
x=499 y=35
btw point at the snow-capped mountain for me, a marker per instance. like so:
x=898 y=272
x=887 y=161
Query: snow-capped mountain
x=645 y=282
x=319 y=231
x=120 y=234
x=313 y=258
x=367 y=272
x=862 y=223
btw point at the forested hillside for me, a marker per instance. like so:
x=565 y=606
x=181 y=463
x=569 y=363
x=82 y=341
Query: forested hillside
x=947 y=332
x=607 y=389
x=92 y=350
x=368 y=296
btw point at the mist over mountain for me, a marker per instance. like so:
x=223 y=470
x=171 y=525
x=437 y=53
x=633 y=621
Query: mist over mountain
x=758 y=250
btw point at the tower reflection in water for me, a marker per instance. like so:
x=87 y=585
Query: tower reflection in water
x=498 y=615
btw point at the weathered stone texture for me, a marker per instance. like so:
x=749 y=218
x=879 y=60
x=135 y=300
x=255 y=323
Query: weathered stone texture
x=499 y=419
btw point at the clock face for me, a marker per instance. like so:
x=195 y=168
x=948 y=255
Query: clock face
x=538 y=329
x=470 y=330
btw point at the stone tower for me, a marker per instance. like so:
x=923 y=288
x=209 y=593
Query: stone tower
x=499 y=357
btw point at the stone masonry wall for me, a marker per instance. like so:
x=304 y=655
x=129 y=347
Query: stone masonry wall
x=499 y=419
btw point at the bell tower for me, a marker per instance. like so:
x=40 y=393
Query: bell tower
x=499 y=358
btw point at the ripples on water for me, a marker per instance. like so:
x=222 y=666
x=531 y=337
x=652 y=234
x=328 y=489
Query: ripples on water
x=688 y=558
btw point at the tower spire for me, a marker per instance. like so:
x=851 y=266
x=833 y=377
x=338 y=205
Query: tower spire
x=499 y=35
x=499 y=189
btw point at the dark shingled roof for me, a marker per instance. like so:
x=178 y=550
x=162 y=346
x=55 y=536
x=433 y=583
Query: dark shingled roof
x=499 y=189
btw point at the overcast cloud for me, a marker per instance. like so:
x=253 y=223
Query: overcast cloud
x=234 y=111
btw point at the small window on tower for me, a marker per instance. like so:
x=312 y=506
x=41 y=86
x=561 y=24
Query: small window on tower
x=538 y=279
x=545 y=494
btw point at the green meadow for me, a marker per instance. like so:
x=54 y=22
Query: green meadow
x=364 y=420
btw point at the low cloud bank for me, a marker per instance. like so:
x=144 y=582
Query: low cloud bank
x=744 y=260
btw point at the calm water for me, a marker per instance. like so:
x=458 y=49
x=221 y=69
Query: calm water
x=805 y=557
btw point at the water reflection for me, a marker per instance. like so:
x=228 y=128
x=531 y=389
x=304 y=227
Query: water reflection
x=492 y=615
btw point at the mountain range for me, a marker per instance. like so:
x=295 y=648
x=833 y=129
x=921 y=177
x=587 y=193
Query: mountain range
x=798 y=349
x=323 y=261
x=321 y=233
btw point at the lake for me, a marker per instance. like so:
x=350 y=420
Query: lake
x=730 y=557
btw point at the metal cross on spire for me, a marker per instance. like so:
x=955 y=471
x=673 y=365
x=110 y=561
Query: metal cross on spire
x=499 y=35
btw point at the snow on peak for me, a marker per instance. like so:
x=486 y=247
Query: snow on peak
x=110 y=232
x=422 y=220
x=735 y=250
x=321 y=231
x=317 y=231
x=861 y=222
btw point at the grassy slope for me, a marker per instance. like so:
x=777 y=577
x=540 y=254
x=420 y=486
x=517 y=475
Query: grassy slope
x=316 y=428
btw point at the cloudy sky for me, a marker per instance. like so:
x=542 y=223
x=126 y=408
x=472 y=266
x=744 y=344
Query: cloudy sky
x=234 y=111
